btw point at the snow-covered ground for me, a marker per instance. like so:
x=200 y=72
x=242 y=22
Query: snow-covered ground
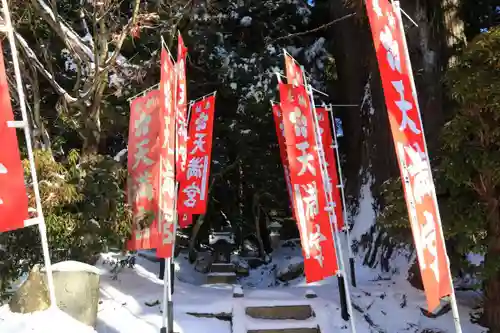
x=131 y=303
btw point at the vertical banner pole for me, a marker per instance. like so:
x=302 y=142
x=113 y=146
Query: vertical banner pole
x=352 y=267
x=453 y=300
x=20 y=91
x=331 y=213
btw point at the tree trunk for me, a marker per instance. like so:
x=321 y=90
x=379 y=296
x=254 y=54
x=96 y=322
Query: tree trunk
x=256 y=212
x=491 y=305
x=194 y=236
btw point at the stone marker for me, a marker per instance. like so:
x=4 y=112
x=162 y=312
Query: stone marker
x=77 y=291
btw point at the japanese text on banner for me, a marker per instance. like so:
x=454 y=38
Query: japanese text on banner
x=181 y=111
x=193 y=189
x=307 y=184
x=280 y=132
x=13 y=197
x=167 y=157
x=332 y=183
x=294 y=73
x=406 y=128
x=143 y=169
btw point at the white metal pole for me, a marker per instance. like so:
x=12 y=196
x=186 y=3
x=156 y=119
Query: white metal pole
x=453 y=299
x=20 y=91
x=342 y=193
x=328 y=193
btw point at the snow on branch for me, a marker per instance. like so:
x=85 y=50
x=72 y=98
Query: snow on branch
x=34 y=60
x=72 y=40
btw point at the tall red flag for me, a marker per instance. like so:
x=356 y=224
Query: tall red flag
x=193 y=191
x=142 y=170
x=320 y=259
x=331 y=161
x=13 y=197
x=181 y=110
x=167 y=157
x=280 y=132
x=181 y=122
x=294 y=73
x=411 y=150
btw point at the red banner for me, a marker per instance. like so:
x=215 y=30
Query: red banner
x=293 y=71
x=167 y=157
x=333 y=179
x=313 y=220
x=185 y=220
x=143 y=169
x=181 y=111
x=13 y=197
x=193 y=190
x=280 y=132
x=406 y=126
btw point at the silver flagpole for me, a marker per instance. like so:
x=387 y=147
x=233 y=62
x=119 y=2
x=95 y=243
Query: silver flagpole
x=453 y=299
x=25 y=125
x=328 y=193
x=352 y=267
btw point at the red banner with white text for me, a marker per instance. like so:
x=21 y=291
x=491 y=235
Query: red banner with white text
x=142 y=187
x=193 y=190
x=333 y=179
x=181 y=121
x=293 y=71
x=320 y=259
x=280 y=132
x=181 y=111
x=13 y=197
x=413 y=159
x=167 y=157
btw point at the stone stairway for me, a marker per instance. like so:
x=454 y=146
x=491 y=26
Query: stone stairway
x=273 y=316
x=222 y=273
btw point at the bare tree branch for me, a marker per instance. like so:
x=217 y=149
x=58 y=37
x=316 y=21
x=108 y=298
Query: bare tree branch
x=28 y=52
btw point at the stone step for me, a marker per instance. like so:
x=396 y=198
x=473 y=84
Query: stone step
x=227 y=278
x=280 y=312
x=287 y=330
x=222 y=268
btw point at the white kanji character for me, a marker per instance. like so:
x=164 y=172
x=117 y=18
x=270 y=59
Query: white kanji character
x=282 y=128
x=166 y=131
x=3 y=169
x=198 y=143
x=299 y=121
x=428 y=240
x=418 y=168
x=311 y=200
x=201 y=122
x=167 y=91
x=392 y=48
x=391 y=20
x=141 y=154
x=191 y=191
x=302 y=100
x=141 y=125
x=404 y=106
x=198 y=108
x=168 y=181
x=207 y=104
x=376 y=8
x=195 y=167
x=315 y=240
x=305 y=159
x=143 y=187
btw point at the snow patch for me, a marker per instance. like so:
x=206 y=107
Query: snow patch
x=74 y=266
x=366 y=215
x=52 y=320
x=246 y=21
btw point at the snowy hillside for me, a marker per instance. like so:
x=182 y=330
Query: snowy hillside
x=132 y=304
